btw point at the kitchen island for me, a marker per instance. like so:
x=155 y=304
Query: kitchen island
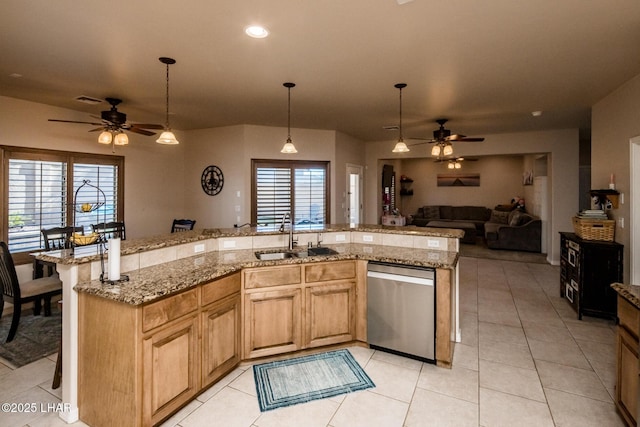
x=197 y=304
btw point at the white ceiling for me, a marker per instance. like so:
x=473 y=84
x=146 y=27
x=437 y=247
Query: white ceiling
x=484 y=65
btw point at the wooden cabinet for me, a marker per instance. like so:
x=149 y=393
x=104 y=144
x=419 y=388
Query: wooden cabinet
x=145 y=362
x=303 y=306
x=330 y=313
x=272 y=322
x=169 y=369
x=627 y=361
x=587 y=270
x=220 y=328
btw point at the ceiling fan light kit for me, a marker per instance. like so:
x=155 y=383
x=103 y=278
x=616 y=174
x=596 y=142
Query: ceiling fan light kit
x=400 y=147
x=167 y=137
x=288 y=147
x=105 y=137
x=121 y=139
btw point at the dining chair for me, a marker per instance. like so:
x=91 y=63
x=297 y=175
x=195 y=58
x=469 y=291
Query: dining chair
x=58 y=237
x=182 y=225
x=110 y=230
x=21 y=293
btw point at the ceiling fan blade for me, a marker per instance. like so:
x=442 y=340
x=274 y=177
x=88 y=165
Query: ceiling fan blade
x=97 y=129
x=458 y=137
x=147 y=126
x=141 y=131
x=74 y=121
x=417 y=138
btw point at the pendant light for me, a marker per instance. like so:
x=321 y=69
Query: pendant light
x=288 y=147
x=167 y=137
x=400 y=147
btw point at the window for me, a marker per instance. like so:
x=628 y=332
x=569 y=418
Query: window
x=39 y=192
x=298 y=188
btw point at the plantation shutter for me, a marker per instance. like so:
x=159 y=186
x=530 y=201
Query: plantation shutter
x=273 y=194
x=298 y=188
x=310 y=196
x=106 y=178
x=36 y=199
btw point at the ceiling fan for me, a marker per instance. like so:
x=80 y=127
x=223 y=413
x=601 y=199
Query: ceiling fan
x=113 y=122
x=442 y=138
x=455 y=163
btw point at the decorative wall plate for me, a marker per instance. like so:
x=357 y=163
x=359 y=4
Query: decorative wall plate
x=212 y=180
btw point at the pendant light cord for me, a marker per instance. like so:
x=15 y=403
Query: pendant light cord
x=166 y=124
x=289 y=115
x=400 y=127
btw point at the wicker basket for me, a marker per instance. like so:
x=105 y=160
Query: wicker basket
x=594 y=229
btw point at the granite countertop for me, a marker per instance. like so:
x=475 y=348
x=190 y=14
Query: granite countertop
x=629 y=292
x=84 y=254
x=150 y=283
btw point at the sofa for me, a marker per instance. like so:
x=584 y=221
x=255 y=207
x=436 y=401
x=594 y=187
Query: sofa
x=477 y=215
x=515 y=230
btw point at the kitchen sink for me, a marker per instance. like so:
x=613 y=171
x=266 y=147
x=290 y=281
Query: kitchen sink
x=270 y=255
x=321 y=251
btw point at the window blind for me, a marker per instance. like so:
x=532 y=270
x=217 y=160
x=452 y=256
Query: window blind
x=104 y=177
x=36 y=200
x=298 y=188
x=273 y=194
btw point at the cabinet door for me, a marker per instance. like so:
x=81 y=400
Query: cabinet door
x=272 y=322
x=600 y=267
x=170 y=369
x=330 y=313
x=627 y=389
x=220 y=338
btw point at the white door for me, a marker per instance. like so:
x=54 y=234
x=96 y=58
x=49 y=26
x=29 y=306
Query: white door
x=353 y=199
x=634 y=250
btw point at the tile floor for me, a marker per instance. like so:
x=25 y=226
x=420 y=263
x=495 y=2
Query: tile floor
x=524 y=360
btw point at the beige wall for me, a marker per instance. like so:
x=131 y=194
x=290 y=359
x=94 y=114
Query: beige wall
x=615 y=120
x=153 y=172
x=232 y=149
x=560 y=145
x=500 y=181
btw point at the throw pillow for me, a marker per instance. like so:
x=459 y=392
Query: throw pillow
x=431 y=212
x=514 y=218
x=499 y=217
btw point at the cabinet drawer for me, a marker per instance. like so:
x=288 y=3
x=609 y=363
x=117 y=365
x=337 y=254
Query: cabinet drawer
x=323 y=272
x=272 y=276
x=220 y=288
x=629 y=316
x=168 y=309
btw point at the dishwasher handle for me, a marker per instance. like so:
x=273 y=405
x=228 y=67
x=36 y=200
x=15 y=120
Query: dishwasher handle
x=399 y=278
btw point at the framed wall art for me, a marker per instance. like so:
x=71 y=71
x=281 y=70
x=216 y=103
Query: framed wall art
x=458 y=179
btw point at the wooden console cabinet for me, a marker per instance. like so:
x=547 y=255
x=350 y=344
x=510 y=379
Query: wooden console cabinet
x=138 y=364
x=587 y=270
x=627 y=361
x=303 y=306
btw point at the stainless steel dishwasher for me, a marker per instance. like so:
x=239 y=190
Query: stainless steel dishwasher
x=401 y=310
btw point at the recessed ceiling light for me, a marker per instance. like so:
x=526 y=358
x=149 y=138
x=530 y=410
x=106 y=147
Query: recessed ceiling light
x=256 y=31
x=536 y=113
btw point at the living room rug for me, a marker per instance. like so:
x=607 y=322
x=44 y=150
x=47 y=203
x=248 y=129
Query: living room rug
x=302 y=379
x=37 y=337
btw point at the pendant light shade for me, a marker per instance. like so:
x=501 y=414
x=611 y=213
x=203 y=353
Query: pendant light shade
x=435 y=151
x=447 y=150
x=167 y=137
x=105 y=137
x=400 y=147
x=288 y=147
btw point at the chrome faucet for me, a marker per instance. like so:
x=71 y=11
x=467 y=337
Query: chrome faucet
x=286 y=217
